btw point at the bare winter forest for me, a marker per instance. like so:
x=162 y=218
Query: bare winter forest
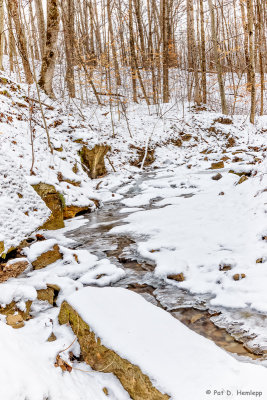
x=133 y=193
x=205 y=52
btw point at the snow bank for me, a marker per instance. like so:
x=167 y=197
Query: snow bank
x=28 y=372
x=21 y=209
x=221 y=224
x=172 y=355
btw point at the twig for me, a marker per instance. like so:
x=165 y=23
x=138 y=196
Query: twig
x=111 y=164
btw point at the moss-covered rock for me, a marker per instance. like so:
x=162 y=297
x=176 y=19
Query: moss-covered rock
x=2 y=247
x=49 y=257
x=93 y=160
x=53 y=201
x=101 y=358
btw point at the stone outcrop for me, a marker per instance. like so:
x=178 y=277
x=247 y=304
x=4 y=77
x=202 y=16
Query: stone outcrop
x=49 y=257
x=2 y=247
x=12 y=269
x=101 y=358
x=72 y=211
x=93 y=160
x=53 y=201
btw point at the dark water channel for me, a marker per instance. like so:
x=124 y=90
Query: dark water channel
x=191 y=309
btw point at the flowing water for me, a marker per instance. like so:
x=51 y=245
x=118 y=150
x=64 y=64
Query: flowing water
x=241 y=332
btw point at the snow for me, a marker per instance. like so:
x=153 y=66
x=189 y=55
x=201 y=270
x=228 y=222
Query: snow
x=196 y=235
x=21 y=209
x=168 y=352
x=27 y=370
x=38 y=248
x=179 y=220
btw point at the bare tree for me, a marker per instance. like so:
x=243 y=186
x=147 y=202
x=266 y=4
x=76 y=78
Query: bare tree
x=49 y=58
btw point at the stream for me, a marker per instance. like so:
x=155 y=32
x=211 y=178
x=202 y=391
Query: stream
x=231 y=329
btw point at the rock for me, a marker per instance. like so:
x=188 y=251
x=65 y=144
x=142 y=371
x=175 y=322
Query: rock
x=12 y=269
x=217 y=177
x=53 y=201
x=242 y=179
x=2 y=247
x=259 y=261
x=52 y=338
x=72 y=211
x=237 y=277
x=177 y=277
x=46 y=295
x=217 y=165
x=49 y=294
x=11 y=309
x=93 y=160
x=101 y=358
x=248 y=173
x=221 y=194
x=47 y=258
x=105 y=390
x=225 y=158
x=16 y=321
x=225 y=267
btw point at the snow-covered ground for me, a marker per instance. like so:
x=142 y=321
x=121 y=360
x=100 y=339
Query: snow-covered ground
x=193 y=229
x=172 y=355
x=199 y=235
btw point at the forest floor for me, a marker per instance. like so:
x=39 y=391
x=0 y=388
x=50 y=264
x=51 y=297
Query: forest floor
x=195 y=213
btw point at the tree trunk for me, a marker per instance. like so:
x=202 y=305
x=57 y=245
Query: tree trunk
x=41 y=24
x=21 y=39
x=1 y=33
x=203 y=54
x=68 y=27
x=251 y=65
x=216 y=58
x=48 y=62
x=165 y=50
x=113 y=47
x=193 y=62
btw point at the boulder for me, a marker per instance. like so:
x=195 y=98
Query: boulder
x=217 y=165
x=93 y=160
x=49 y=294
x=46 y=295
x=237 y=277
x=16 y=321
x=72 y=211
x=2 y=247
x=101 y=358
x=53 y=201
x=177 y=277
x=242 y=179
x=12 y=269
x=48 y=257
x=216 y=177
